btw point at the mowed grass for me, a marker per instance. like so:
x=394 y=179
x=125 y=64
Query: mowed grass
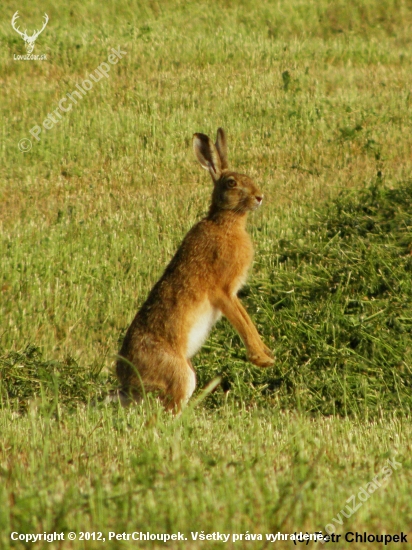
x=315 y=99
x=256 y=471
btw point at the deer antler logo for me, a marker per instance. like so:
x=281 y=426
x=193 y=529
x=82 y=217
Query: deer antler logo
x=30 y=40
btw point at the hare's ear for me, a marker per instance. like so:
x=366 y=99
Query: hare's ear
x=207 y=155
x=221 y=146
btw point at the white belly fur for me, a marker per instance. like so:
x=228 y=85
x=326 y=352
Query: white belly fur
x=199 y=331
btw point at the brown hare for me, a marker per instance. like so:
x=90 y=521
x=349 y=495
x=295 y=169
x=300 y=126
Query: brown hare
x=199 y=285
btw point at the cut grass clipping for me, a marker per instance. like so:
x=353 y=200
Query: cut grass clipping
x=338 y=302
x=336 y=308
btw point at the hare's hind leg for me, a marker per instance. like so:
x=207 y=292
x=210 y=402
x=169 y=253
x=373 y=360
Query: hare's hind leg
x=160 y=370
x=181 y=385
x=190 y=388
x=127 y=398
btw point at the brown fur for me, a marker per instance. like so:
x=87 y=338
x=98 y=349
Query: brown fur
x=200 y=283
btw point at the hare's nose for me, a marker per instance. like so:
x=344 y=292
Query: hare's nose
x=259 y=199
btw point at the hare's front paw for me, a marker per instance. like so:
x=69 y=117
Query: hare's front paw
x=268 y=351
x=261 y=360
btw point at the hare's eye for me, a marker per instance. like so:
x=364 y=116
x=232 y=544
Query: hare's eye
x=231 y=183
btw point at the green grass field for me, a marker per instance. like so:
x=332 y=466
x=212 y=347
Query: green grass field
x=316 y=100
